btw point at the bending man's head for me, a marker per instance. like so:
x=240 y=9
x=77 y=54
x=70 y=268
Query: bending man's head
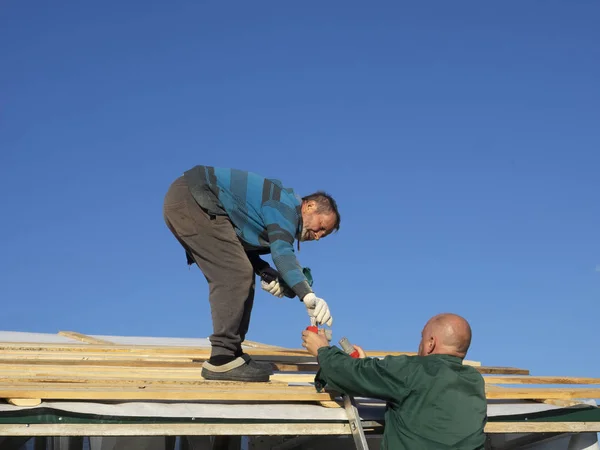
x=320 y=216
x=445 y=334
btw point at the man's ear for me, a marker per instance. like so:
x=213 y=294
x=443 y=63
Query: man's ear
x=307 y=206
x=431 y=345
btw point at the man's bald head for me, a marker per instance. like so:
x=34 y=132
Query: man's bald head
x=447 y=334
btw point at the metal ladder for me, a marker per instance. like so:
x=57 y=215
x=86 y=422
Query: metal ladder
x=356 y=428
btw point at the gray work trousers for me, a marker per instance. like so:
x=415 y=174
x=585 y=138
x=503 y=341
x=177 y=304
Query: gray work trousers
x=213 y=244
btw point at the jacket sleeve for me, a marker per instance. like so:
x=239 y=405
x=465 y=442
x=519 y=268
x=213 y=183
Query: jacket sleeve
x=281 y=224
x=384 y=379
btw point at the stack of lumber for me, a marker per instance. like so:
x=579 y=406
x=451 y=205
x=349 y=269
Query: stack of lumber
x=98 y=370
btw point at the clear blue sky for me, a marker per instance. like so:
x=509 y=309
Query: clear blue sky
x=461 y=141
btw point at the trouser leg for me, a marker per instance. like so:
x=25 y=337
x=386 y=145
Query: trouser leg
x=214 y=246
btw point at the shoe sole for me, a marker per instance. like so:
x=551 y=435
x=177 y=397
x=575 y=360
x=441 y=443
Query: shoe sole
x=226 y=376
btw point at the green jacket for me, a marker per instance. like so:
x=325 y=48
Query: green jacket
x=433 y=402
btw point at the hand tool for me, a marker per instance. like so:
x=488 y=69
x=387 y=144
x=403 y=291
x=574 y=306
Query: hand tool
x=315 y=329
x=348 y=347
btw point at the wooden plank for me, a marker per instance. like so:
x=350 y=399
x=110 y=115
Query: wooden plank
x=258 y=429
x=84 y=338
x=541 y=380
x=27 y=356
x=309 y=378
x=100 y=362
x=370 y=353
x=24 y=401
x=541 y=393
x=137 y=355
x=261 y=345
x=150 y=350
x=177 y=429
x=294 y=377
x=290 y=367
x=121 y=380
x=99 y=370
x=219 y=392
x=56 y=373
x=307 y=367
x=332 y=404
x=489 y=370
x=542 y=427
x=10 y=348
x=81 y=386
x=126 y=362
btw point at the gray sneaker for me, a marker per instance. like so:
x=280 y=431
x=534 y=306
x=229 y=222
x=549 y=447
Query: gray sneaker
x=242 y=368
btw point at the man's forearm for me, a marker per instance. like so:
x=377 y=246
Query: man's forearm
x=333 y=364
x=366 y=377
x=290 y=270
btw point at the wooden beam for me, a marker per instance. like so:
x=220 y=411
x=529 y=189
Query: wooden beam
x=91 y=380
x=77 y=361
x=121 y=387
x=261 y=345
x=24 y=401
x=150 y=350
x=84 y=338
x=79 y=356
x=199 y=353
x=541 y=380
x=540 y=393
x=66 y=391
x=542 y=427
x=488 y=370
x=177 y=429
x=100 y=370
x=332 y=404
x=307 y=367
x=100 y=362
x=259 y=429
x=309 y=377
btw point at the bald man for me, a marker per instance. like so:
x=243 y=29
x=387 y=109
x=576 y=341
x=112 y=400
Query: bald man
x=433 y=400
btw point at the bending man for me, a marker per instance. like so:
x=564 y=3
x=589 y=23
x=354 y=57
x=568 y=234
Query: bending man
x=225 y=219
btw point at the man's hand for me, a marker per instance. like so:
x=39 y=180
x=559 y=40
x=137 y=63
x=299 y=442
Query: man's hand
x=317 y=308
x=273 y=288
x=313 y=342
x=361 y=352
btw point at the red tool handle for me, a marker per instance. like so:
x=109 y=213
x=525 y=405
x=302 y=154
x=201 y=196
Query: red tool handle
x=313 y=328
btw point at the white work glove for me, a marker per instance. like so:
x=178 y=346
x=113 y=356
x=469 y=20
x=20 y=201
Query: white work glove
x=317 y=308
x=273 y=288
